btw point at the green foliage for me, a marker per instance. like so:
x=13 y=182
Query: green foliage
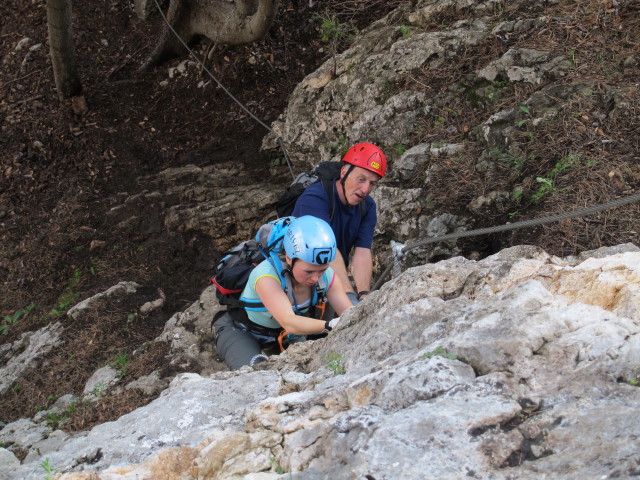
x=440 y=352
x=9 y=320
x=69 y=294
x=336 y=363
x=332 y=30
x=571 y=55
x=120 y=363
x=277 y=161
x=98 y=390
x=547 y=185
x=544 y=189
x=405 y=31
x=48 y=469
x=334 y=33
x=273 y=463
x=483 y=93
x=53 y=420
x=341 y=147
x=400 y=148
x=514 y=160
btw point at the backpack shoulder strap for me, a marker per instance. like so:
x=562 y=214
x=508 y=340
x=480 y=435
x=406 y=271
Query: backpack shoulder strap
x=285 y=282
x=327 y=184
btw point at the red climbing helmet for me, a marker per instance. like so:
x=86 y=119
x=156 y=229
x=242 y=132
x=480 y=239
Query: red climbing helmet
x=367 y=156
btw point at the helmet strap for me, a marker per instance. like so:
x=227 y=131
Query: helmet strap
x=344 y=179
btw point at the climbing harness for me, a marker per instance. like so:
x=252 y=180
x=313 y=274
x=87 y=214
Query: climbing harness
x=279 y=140
x=400 y=250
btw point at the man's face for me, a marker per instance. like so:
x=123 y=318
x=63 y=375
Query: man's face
x=358 y=184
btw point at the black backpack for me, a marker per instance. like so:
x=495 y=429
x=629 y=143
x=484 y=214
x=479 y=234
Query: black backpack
x=325 y=172
x=232 y=272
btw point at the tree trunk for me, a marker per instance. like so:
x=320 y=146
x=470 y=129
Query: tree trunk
x=224 y=22
x=62 y=48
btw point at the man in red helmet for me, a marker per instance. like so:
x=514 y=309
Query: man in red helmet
x=353 y=218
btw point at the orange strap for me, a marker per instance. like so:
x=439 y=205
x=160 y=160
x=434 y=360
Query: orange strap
x=283 y=334
x=320 y=307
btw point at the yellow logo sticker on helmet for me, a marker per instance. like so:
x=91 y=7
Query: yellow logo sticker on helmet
x=375 y=165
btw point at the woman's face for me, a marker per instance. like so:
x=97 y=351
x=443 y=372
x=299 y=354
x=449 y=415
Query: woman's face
x=307 y=273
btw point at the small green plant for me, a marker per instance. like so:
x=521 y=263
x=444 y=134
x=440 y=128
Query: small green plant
x=544 y=189
x=440 y=352
x=405 y=31
x=9 y=320
x=400 y=149
x=571 y=55
x=439 y=121
x=336 y=363
x=120 y=363
x=526 y=111
x=334 y=33
x=634 y=382
x=48 y=469
x=547 y=183
x=342 y=146
x=277 y=161
x=273 y=463
x=98 y=390
x=517 y=195
x=68 y=296
x=53 y=420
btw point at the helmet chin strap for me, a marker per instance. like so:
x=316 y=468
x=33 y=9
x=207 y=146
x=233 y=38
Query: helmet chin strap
x=344 y=179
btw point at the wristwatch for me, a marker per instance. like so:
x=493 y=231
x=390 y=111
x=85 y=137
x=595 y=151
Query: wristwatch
x=327 y=328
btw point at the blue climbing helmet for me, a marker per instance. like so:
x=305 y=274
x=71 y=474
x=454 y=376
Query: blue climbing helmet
x=311 y=240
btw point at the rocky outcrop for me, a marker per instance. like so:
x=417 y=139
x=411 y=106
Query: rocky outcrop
x=521 y=365
x=25 y=352
x=479 y=72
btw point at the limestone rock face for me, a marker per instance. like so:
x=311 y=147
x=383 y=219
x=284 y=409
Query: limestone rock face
x=522 y=365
